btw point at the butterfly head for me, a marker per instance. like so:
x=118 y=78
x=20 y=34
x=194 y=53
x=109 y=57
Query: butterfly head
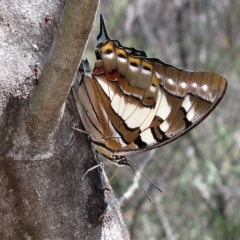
x=120 y=161
x=84 y=69
x=85 y=66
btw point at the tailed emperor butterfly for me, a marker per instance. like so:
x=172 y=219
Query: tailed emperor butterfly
x=131 y=103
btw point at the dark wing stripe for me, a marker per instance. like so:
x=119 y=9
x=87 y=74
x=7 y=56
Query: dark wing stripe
x=87 y=110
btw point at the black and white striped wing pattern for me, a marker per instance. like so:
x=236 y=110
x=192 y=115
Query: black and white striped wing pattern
x=131 y=103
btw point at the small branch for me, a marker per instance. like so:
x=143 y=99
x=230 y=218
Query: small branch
x=41 y=115
x=48 y=97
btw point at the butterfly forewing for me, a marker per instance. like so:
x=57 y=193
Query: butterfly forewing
x=131 y=103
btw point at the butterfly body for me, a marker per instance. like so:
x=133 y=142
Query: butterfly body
x=131 y=103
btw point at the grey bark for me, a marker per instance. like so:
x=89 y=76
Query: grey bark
x=42 y=160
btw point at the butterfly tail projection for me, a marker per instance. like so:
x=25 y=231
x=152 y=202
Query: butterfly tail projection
x=102 y=36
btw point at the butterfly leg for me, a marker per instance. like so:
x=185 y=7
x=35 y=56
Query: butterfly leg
x=81 y=131
x=100 y=163
x=92 y=168
x=95 y=153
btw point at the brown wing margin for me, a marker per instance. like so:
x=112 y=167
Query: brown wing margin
x=203 y=102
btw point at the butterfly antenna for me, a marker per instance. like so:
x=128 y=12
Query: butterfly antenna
x=129 y=164
x=154 y=184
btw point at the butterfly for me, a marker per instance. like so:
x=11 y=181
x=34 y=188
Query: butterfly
x=130 y=103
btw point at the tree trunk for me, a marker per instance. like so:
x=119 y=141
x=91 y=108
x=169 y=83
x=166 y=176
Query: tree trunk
x=42 y=160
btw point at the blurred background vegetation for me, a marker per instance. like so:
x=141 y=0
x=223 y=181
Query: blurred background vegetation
x=200 y=172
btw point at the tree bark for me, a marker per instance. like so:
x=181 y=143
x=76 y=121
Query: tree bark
x=42 y=160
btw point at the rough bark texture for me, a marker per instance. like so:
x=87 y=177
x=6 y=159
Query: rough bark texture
x=42 y=160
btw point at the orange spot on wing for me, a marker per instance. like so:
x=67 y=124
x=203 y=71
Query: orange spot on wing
x=113 y=76
x=99 y=70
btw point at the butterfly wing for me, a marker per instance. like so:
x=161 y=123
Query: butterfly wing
x=151 y=103
x=131 y=103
